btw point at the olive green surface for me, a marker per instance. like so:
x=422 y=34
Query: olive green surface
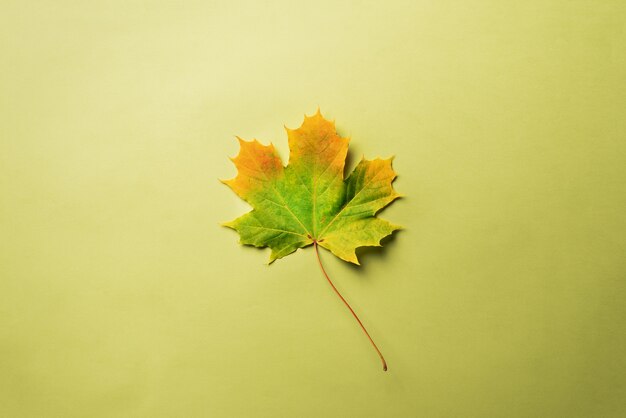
x=122 y=296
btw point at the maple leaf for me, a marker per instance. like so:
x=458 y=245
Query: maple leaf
x=308 y=202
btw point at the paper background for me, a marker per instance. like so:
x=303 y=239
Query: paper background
x=120 y=295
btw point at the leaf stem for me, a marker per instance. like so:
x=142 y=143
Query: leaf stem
x=348 y=305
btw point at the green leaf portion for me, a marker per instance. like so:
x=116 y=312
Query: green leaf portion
x=367 y=190
x=256 y=228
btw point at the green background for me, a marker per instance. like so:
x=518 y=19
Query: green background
x=120 y=295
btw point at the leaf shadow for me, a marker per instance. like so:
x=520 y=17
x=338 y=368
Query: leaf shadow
x=368 y=255
x=351 y=160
